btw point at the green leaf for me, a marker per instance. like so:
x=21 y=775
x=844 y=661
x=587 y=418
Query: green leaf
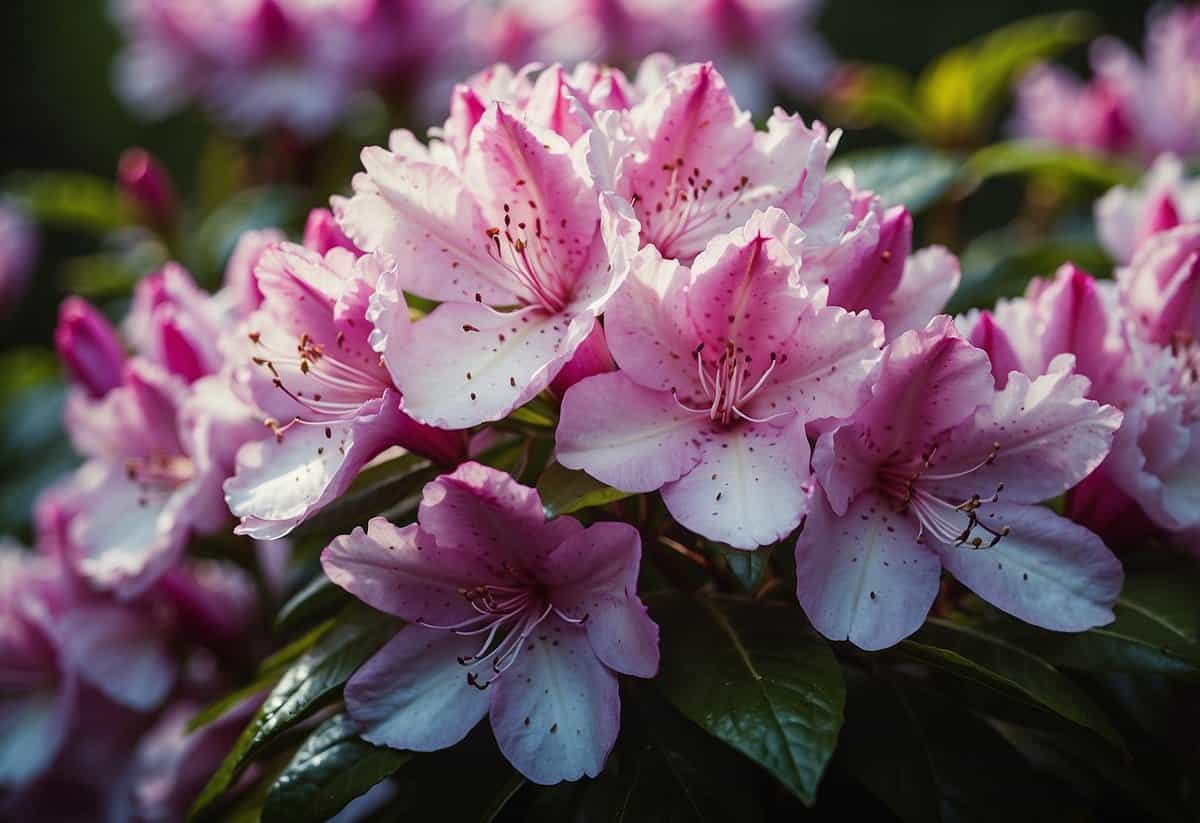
x=1030 y=157
x=219 y=708
x=389 y=487
x=316 y=601
x=71 y=200
x=867 y=94
x=564 y=491
x=332 y=767
x=747 y=567
x=754 y=674
x=928 y=760
x=315 y=679
x=912 y=176
x=976 y=655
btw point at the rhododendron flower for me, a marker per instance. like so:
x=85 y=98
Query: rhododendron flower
x=1125 y=217
x=693 y=166
x=1053 y=105
x=307 y=363
x=87 y=345
x=940 y=470
x=177 y=324
x=1160 y=290
x=512 y=616
x=872 y=268
x=721 y=366
x=18 y=249
x=521 y=225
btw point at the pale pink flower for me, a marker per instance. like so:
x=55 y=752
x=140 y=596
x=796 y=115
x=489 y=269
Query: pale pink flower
x=305 y=360
x=940 y=470
x=693 y=166
x=526 y=620
x=1163 y=199
x=18 y=252
x=721 y=367
x=519 y=225
x=1160 y=290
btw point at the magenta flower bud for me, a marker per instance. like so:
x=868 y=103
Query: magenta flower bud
x=146 y=183
x=322 y=233
x=88 y=345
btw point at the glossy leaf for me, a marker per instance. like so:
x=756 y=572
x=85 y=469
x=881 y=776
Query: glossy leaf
x=912 y=176
x=71 y=200
x=974 y=654
x=564 y=491
x=316 y=601
x=754 y=674
x=333 y=767
x=1029 y=157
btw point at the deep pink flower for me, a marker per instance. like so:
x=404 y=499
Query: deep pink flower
x=521 y=224
x=88 y=346
x=1160 y=290
x=147 y=185
x=940 y=470
x=1126 y=217
x=177 y=324
x=693 y=166
x=872 y=268
x=306 y=361
x=510 y=615
x=721 y=367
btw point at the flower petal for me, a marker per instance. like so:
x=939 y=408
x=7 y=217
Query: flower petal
x=1048 y=571
x=120 y=652
x=748 y=490
x=413 y=694
x=32 y=729
x=557 y=710
x=930 y=277
x=862 y=576
x=623 y=434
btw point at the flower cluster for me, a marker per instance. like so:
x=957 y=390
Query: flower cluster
x=1131 y=106
x=298 y=64
x=704 y=312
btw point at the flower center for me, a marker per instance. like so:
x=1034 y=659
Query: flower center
x=685 y=206
x=525 y=253
x=507 y=616
x=906 y=483
x=725 y=386
x=347 y=385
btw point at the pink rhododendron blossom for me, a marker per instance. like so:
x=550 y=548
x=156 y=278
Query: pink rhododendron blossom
x=18 y=250
x=872 y=268
x=147 y=187
x=1125 y=217
x=87 y=345
x=1132 y=106
x=520 y=225
x=269 y=63
x=721 y=366
x=305 y=360
x=526 y=620
x=940 y=470
x=693 y=166
x=176 y=324
x=1160 y=290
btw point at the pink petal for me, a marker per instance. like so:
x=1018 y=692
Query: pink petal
x=1050 y=437
x=748 y=490
x=413 y=694
x=593 y=576
x=930 y=277
x=32 y=730
x=628 y=436
x=467 y=364
x=119 y=651
x=391 y=569
x=985 y=333
x=1048 y=571
x=557 y=710
x=862 y=576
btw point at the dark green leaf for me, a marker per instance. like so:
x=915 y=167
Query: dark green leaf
x=928 y=760
x=912 y=176
x=564 y=491
x=974 y=654
x=747 y=567
x=316 y=601
x=332 y=767
x=314 y=680
x=754 y=674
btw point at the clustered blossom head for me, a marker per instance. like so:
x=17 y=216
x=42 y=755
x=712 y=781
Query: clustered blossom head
x=1133 y=106
x=260 y=64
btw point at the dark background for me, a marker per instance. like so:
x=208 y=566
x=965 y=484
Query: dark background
x=58 y=109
